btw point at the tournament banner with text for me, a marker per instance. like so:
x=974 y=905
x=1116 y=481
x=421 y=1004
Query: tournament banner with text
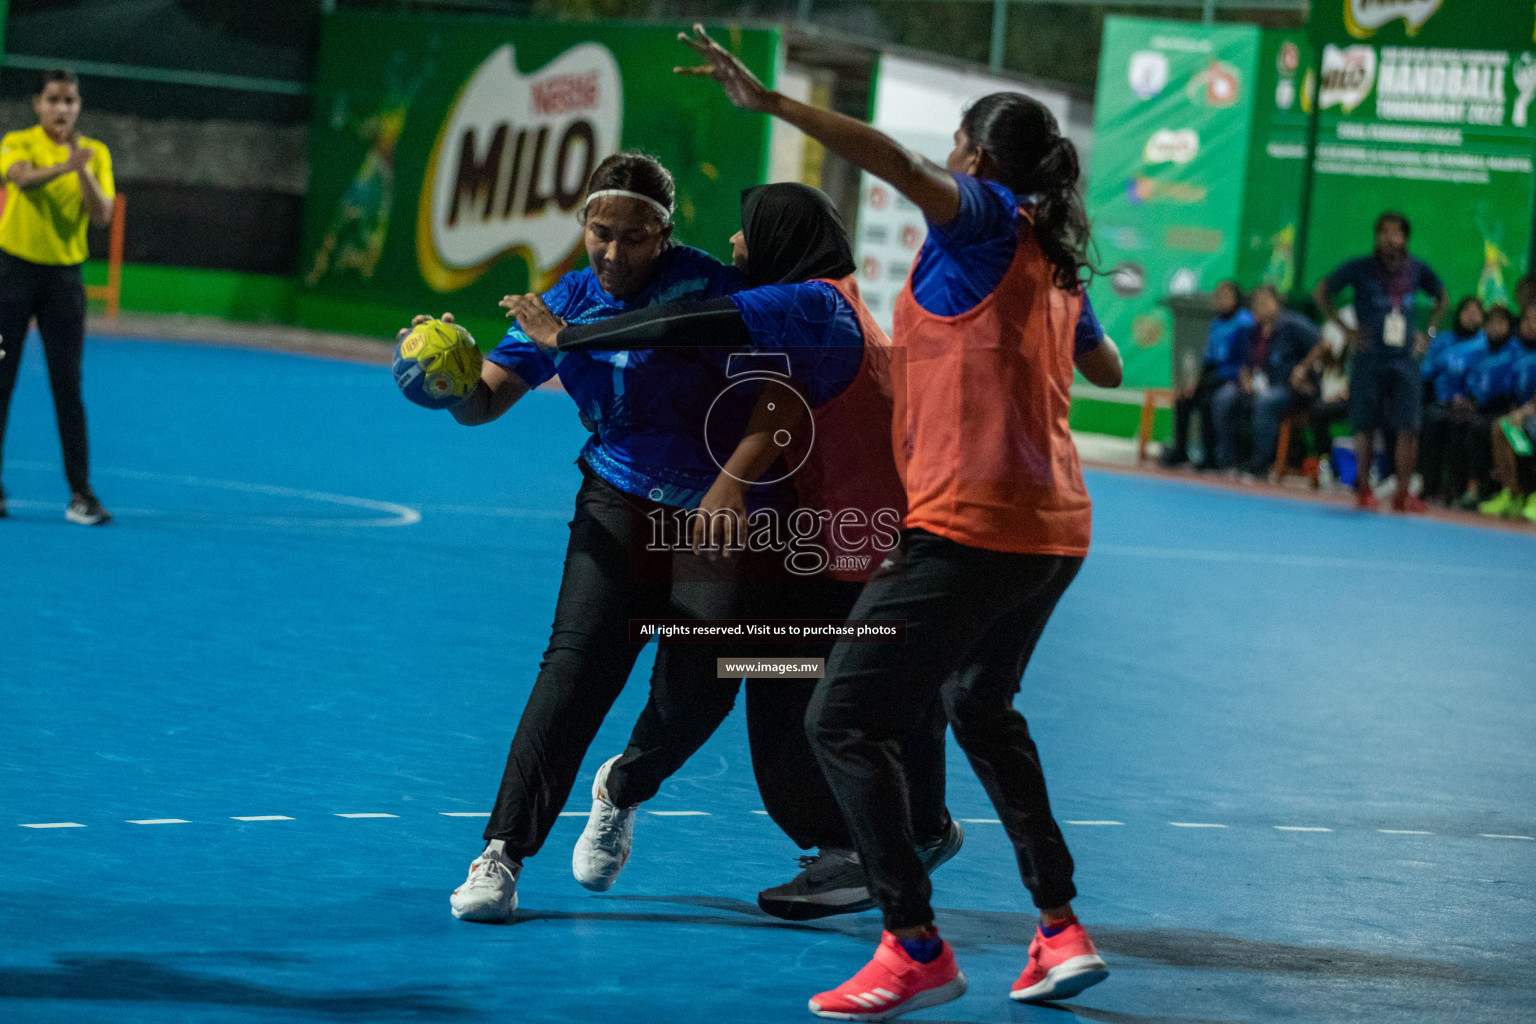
x=1172 y=127
x=1425 y=108
x=449 y=156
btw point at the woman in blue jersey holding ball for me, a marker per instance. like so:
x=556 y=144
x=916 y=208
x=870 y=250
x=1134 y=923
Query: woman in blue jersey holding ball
x=646 y=453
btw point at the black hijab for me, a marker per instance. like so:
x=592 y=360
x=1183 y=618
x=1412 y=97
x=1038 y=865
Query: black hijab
x=793 y=234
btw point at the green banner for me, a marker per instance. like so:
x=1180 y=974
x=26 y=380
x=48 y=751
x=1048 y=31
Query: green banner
x=1173 y=121
x=449 y=156
x=1277 y=162
x=1424 y=107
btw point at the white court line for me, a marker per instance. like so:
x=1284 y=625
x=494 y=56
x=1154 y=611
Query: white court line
x=1404 y=832
x=570 y=814
x=374 y=815
x=503 y=513
x=1495 y=835
x=1195 y=824
x=263 y=817
x=1302 y=828
x=55 y=824
x=400 y=515
x=465 y=814
x=982 y=821
x=1305 y=561
x=679 y=814
x=159 y=821
x=1095 y=823
x=759 y=812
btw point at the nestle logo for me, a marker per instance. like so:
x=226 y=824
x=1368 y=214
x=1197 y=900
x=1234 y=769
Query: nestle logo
x=561 y=93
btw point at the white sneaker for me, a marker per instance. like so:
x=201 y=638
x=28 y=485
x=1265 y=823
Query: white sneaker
x=603 y=848
x=489 y=894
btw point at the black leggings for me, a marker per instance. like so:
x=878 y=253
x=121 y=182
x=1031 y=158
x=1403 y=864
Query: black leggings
x=684 y=711
x=56 y=296
x=610 y=577
x=973 y=618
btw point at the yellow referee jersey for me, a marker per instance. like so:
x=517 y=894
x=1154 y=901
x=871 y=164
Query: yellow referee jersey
x=47 y=224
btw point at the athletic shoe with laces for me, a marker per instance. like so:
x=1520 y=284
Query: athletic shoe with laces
x=603 y=848
x=489 y=894
x=87 y=511
x=893 y=984
x=1502 y=504
x=1059 y=967
x=833 y=882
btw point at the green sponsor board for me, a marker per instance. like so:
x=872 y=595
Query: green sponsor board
x=449 y=156
x=1173 y=121
x=1277 y=162
x=1425 y=108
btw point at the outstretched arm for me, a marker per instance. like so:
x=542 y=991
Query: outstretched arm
x=925 y=183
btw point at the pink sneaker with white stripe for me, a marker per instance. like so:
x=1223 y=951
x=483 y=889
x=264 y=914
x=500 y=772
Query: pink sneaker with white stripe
x=1060 y=966
x=892 y=984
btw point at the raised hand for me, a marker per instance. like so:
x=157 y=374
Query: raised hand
x=542 y=327
x=741 y=86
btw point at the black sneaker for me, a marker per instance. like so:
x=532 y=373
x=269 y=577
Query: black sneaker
x=87 y=511
x=4 y=511
x=833 y=881
x=942 y=849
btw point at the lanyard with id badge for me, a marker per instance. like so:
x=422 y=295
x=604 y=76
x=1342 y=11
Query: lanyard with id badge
x=1394 y=329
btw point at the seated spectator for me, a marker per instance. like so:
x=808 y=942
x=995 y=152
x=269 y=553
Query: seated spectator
x=1322 y=379
x=1515 y=467
x=1226 y=348
x=1466 y=324
x=1279 y=341
x=1451 y=409
x=1490 y=385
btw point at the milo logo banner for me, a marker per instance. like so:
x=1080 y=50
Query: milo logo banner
x=1424 y=107
x=449 y=157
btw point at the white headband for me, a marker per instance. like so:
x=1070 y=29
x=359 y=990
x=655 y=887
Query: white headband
x=666 y=214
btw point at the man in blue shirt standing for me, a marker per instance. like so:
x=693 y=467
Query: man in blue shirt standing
x=1384 y=387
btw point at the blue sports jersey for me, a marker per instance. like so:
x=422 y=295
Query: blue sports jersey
x=1226 y=346
x=963 y=261
x=1450 y=374
x=1491 y=382
x=814 y=326
x=647 y=410
x=1378 y=291
x=1439 y=345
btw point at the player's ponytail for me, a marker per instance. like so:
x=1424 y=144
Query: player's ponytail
x=1028 y=154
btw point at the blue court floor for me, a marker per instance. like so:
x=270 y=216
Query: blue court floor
x=248 y=734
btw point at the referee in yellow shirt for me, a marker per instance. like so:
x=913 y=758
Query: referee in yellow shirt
x=55 y=181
